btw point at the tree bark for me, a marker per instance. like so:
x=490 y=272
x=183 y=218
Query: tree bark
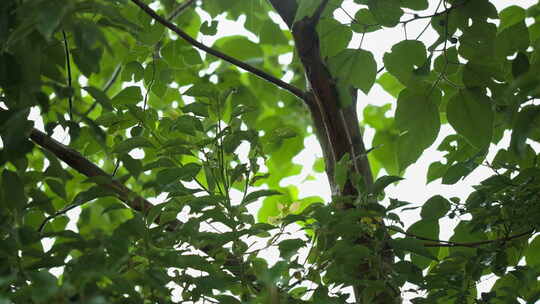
x=337 y=128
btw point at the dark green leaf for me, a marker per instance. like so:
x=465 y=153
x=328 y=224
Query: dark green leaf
x=132 y=143
x=405 y=57
x=469 y=112
x=13 y=195
x=334 y=37
x=435 y=208
x=128 y=96
x=387 y=12
x=356 y=67
x=364 y=22
x=253 y=196
x=185 y=173
x=417 y=116
x=413 y=246
x=288 y=248
x=384 y=181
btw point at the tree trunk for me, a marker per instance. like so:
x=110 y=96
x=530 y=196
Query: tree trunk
x=337 y=128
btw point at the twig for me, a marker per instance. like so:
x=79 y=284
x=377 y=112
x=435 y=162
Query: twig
x=78 y=162
x=58 y=213
x=107 y=86
x=262 y=74
x=68 y=67
x=442 y=243
x=180 y=9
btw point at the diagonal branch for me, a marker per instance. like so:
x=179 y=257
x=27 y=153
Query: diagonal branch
x=262 y=74
x=82 y=165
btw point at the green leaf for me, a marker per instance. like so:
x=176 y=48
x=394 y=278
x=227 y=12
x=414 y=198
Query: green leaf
x=417 y=117
x=133 y=71
x=241 y=47
x=57 y=186
x=417 y=5
x=511 y=16
x=334 y=37
x=478 y=41
x=209 y=27
x=357 y=67
x=288 y=248
x=197 y=108
x=375 y=116
x=132 y=143
x=524 y=124
x=128 y=96
x=532 y=256
x=186 y=173
x=425 y=229
x=390 y=84
x=384 y=181
x=413 y=246
x=172 y=53
x=226 y=299
x=91 y=194
x=280 y=133
x=99 y=96
x=88 y=61
x=341 y=172
x=13 y=195
x=49 y=17
x=271 y=34
x=436 y=170
x=387 y=12
x=255 y=195
x=191 y=57
x=364 y=22
x=188 y=124
x=469 y=112
x=202 y=90
x=319 y=166
x=435 y=208
x=44 y=286
x=306 y=8
x=520 y=65
x=405 y=57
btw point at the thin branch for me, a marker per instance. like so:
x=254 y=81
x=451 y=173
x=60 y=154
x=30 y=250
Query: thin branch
x=107 y=86
x=262 y=74
x=82 y=165
x=78 y=162
x=180 y=9
x=56 y=214
x=68 y=67
x=442 y=243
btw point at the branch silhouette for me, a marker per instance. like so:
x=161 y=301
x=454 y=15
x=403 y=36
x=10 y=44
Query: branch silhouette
x=442 y=243
x=262 y=74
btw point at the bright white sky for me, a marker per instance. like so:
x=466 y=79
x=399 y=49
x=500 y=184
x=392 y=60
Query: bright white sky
x=413 y=189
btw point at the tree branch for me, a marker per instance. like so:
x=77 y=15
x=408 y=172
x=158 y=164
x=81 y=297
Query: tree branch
x=262 y=74
x=286 y=9
x=442 y=243
x=82 y=165
x=180 y=9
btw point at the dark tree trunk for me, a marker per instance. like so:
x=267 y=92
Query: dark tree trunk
x=337 y=128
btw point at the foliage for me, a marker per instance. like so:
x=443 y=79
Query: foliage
x=149 y=111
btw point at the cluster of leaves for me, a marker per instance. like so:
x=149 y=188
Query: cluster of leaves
x=117 y=82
